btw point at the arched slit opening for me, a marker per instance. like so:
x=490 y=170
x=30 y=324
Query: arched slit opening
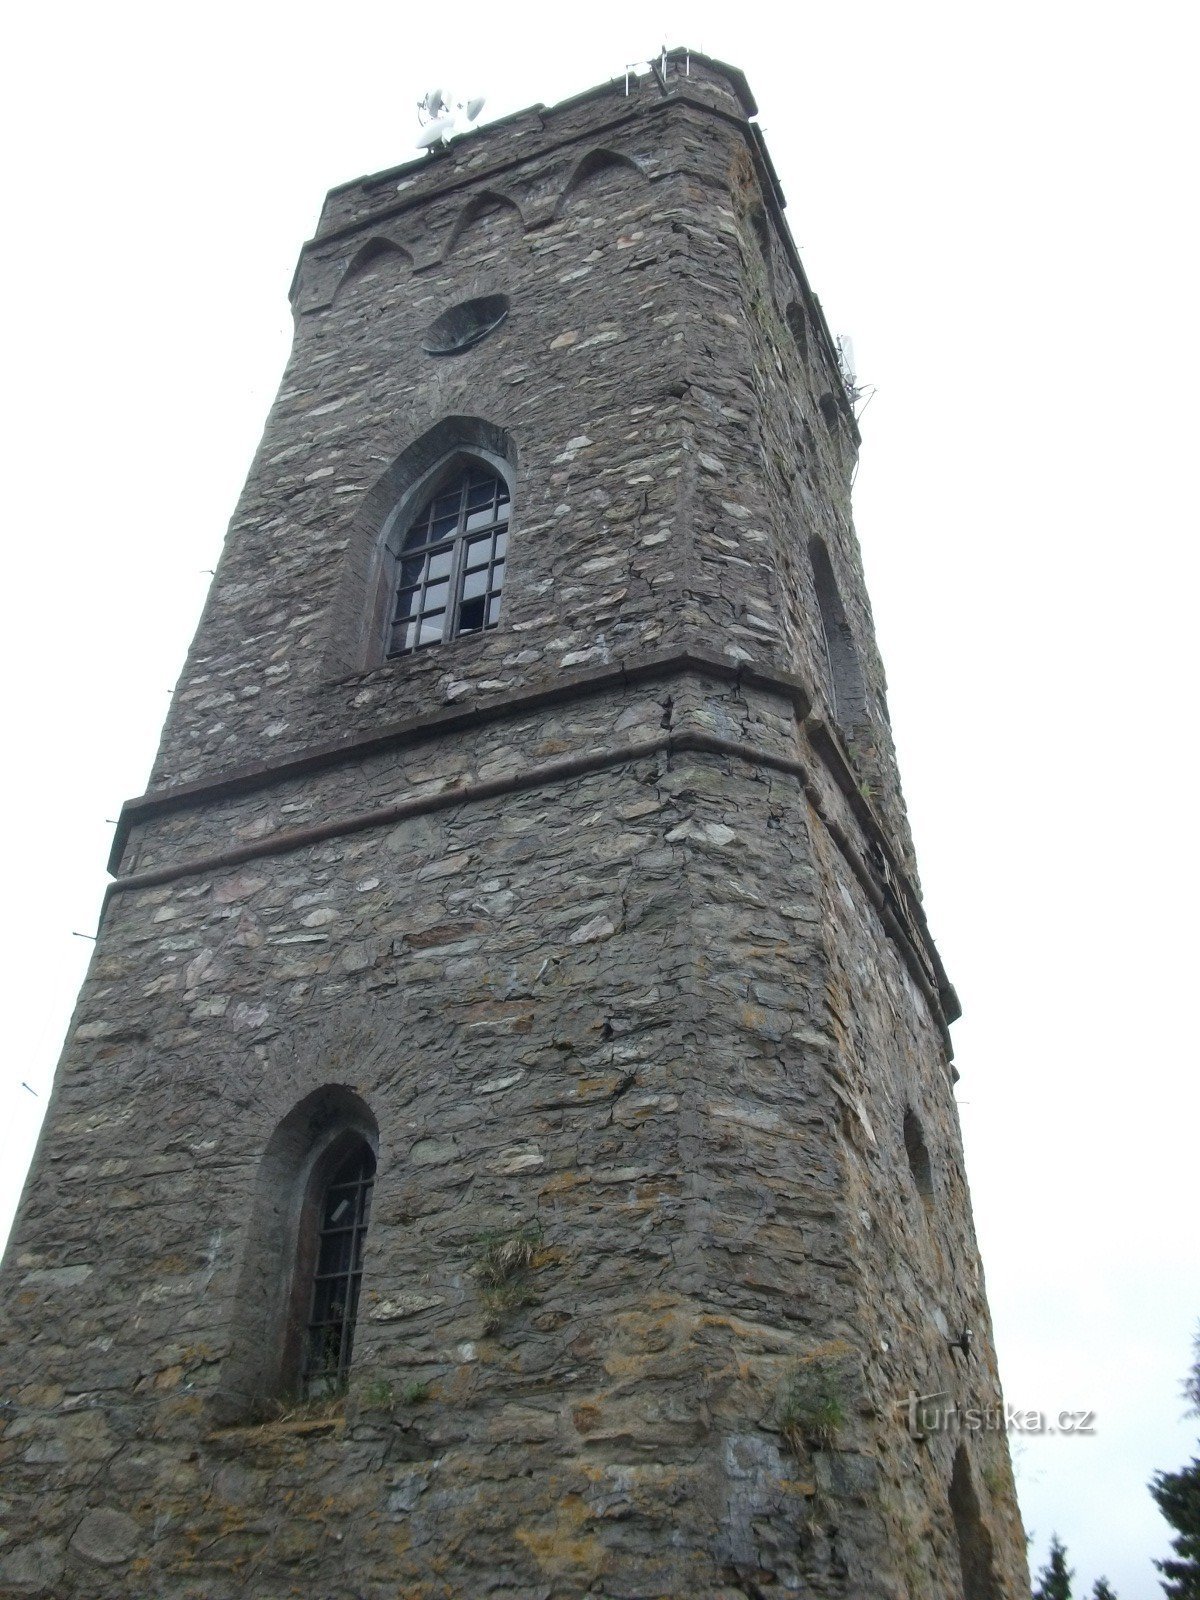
x=843 y=675
x=976 y=1552
x=917 y=1152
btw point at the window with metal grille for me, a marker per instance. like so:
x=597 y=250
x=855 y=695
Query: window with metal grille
x=450 y=565
x=345 y=1210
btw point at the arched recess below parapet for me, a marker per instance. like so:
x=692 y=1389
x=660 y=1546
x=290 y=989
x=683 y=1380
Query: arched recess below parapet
x=376 y=253
x=592 y=170
x=488 y=218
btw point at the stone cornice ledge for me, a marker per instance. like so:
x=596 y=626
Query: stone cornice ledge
x=884 y=881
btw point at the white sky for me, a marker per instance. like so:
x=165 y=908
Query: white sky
x=997 y=203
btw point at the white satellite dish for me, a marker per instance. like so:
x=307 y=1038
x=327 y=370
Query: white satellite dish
x=434 y=132
x=441 y=117
x=845 y=353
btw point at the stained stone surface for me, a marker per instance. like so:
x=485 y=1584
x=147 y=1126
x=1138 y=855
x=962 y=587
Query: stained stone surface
x=607 y=920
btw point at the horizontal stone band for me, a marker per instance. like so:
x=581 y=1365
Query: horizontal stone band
x=918 y=951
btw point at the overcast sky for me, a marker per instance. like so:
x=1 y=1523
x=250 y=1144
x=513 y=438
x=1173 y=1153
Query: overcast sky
x=998 y=205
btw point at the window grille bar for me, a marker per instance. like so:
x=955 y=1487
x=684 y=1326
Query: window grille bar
x=458 y=521
x=337 y=1275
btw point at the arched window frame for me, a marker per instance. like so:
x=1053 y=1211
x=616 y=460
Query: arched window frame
x=354 y=634
x=272 y=1301
x=301 y=1374
x=399 y=522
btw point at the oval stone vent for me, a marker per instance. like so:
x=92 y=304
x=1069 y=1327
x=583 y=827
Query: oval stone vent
x=464 y=325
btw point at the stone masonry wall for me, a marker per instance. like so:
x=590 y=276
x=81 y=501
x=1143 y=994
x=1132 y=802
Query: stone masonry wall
x=612 y=1008
x=604 y=921
x=661 y=373
x=604 y=1009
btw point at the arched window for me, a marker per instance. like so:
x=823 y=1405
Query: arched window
x=439 y=515
x=448 y=559
x=293 y=1311
x=341 y=1214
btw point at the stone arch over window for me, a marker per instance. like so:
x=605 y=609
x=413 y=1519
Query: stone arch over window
x=296 y=1301
x=976 y=1552
x=364 y=612
x=844 y=679
x=593 y=170
x=376 y=252
x=486 y=222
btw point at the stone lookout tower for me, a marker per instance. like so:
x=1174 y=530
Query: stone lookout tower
x=506 y=1141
